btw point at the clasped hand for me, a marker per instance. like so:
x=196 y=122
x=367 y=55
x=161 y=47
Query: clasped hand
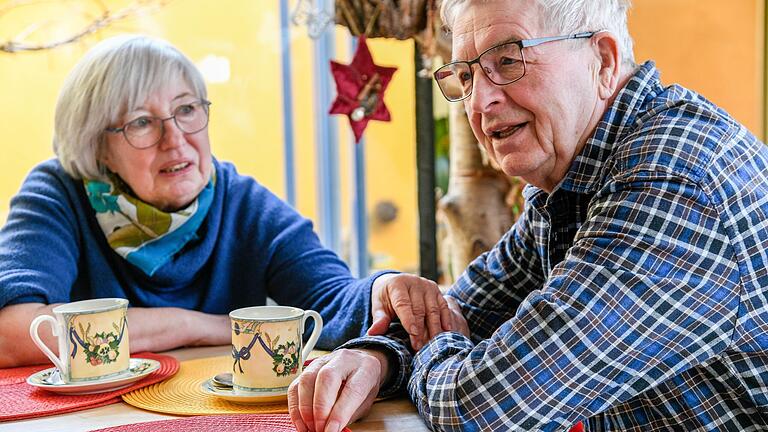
x=339 y=388
x=416 y=301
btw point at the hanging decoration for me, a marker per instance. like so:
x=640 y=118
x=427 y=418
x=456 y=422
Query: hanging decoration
x=314 y=18
x=398 y=19
x=360 y=89
x=362 y=83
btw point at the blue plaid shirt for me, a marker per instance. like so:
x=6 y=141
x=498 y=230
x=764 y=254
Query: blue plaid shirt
x=634 y=297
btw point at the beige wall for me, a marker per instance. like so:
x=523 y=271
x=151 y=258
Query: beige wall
x=715 y=47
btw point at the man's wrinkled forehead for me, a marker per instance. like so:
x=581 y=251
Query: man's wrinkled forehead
x=479 y=25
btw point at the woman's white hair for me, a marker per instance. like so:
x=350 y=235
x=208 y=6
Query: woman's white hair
x=572 y=16
x=116 y=75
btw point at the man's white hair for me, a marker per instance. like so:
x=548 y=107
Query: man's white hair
x=571 y=16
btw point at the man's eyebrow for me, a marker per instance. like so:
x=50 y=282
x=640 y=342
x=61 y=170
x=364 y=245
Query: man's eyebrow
x=509 y=39
x=501 y=42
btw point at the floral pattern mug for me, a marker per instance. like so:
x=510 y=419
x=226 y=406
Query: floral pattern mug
x=92 y=339
x=267 y=351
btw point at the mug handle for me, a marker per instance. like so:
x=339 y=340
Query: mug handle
x=36 y=338
x=310 y=345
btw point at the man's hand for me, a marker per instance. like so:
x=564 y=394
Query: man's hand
x=457 y=322
x=336 y=389
x=415 y=300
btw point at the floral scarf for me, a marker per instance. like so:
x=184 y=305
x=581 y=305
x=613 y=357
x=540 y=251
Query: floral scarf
x=142 y=234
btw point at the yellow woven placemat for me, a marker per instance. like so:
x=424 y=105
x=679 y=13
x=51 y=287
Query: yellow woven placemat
x=181 y=394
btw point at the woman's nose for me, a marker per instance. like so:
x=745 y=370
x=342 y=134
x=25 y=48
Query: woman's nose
x=172 y=135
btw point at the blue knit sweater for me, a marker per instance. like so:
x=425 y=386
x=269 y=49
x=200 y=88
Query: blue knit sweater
x=251 y=245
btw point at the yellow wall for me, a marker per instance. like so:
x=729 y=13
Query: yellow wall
x=712 y=46
x=246 y=116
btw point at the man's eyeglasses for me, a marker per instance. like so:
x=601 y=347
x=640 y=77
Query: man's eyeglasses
x=503 y=64
x=144 y=132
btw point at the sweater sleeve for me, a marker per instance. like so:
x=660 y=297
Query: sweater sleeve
x=39 y=247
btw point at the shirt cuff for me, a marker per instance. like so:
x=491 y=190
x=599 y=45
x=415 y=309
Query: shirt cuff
x=431 y=356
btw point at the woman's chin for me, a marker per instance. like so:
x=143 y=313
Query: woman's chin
x=177 y=200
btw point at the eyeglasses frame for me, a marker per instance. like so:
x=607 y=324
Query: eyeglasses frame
x=523 y=43
x=203 y=102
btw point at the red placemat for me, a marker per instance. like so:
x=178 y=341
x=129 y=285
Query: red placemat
x=19 y=400
x=233 y=423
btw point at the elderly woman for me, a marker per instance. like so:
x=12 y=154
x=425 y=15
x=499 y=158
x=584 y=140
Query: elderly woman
x=135 y=206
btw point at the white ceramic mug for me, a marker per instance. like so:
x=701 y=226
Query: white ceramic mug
x=267 y=345
x=92 y=338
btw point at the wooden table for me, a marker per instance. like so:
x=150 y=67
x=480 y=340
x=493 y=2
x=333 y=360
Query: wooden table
x=390 y=415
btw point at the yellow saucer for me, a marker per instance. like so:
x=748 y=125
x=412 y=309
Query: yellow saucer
x=230 y=395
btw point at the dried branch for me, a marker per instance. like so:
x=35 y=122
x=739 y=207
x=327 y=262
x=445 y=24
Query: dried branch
x=107 y=17
x=399 y=19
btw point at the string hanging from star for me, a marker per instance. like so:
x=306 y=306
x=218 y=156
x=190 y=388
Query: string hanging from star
x=360 y=86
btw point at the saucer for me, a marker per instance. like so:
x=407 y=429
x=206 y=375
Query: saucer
x=139 y=368
x=229 y=394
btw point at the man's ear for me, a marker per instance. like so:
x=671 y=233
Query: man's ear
x=609 y=55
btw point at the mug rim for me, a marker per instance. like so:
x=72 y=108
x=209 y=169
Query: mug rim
x=280 y=313
x=91 y=306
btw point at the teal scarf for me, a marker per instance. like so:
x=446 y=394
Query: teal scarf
x=142 y=234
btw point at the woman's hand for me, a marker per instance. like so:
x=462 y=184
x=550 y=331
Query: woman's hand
x=161 y=329
x=418 y=303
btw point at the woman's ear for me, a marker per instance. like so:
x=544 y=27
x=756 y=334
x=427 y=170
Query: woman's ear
x=609 y=55
x=103 y=156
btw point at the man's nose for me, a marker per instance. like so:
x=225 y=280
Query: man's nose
x=485 y=94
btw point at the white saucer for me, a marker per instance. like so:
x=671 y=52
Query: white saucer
x=229 y=394
x=139 y=368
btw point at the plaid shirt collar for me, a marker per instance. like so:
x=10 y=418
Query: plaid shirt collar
x=588 y=168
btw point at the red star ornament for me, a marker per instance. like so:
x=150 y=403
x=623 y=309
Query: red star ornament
x=360 y=88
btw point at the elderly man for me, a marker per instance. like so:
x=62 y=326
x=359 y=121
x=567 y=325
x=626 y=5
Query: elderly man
x=632 y=294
